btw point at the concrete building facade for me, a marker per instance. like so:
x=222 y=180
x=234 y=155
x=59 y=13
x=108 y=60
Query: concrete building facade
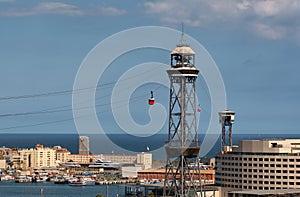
x=83 y=158
x=121 y=158
x=260 y=165
x=144 y=159
x=84 y=145
x=43 y=156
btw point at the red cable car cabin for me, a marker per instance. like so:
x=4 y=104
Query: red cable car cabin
x=151 y=100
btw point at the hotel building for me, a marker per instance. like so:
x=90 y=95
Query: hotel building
x=260 y=165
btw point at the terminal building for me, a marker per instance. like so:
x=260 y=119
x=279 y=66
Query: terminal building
x=271 y=164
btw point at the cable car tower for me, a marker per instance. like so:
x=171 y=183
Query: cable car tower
x=226 y=119
x=182 y=175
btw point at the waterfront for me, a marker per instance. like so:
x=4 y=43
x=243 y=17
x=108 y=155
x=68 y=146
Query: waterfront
x=70 y=141
x=12 y=189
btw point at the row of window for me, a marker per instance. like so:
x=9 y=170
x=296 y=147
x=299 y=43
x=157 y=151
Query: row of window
x=257 y=182
x=259 y=170
x=255 y=176
x=259 y=159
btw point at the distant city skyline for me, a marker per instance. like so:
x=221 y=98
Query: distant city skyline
x=255 y=44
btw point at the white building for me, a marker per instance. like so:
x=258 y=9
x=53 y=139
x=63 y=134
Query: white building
x=144 y=159
x=84 y=145
x=260 y=165
x=43 y=157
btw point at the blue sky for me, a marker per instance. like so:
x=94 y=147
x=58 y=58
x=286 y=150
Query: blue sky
x=256 y=45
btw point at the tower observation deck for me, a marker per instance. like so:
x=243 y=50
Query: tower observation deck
x=182 y=175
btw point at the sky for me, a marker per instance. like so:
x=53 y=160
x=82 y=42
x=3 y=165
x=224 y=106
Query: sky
x=255 y=44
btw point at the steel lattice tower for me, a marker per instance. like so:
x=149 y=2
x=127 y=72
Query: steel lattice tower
x=182 y=176
x=226 y=119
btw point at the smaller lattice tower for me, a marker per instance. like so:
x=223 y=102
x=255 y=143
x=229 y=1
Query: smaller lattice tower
x=226 y=119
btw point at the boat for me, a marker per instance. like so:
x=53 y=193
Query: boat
x=39 y=179
x=102 y=163
x=70 y=165
x=7 y=178
x=82 y=182
x=89 y=181
x=77 y=183
x=60 y=180
x=23 y=179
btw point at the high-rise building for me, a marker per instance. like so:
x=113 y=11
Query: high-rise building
x=260 y=165
x=84 y=145
x=144 y=159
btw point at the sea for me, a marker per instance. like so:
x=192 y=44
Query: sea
x=127 y=142
x=70 y=141
x=48 y=189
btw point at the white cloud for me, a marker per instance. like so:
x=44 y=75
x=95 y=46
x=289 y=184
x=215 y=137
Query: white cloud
x=111 y=11
x=7 y=1
x=273 y=19
x=58 y=8
x=44 y=8
x=269 y=32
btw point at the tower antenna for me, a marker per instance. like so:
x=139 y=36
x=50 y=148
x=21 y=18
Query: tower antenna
x=182 y=34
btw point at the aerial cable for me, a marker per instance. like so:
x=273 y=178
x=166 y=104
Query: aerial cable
x=64 y=92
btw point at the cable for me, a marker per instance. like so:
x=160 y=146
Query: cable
x=69 y=119
x=63 y=92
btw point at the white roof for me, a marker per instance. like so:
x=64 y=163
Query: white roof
x=226 y=112
x=183 y=50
